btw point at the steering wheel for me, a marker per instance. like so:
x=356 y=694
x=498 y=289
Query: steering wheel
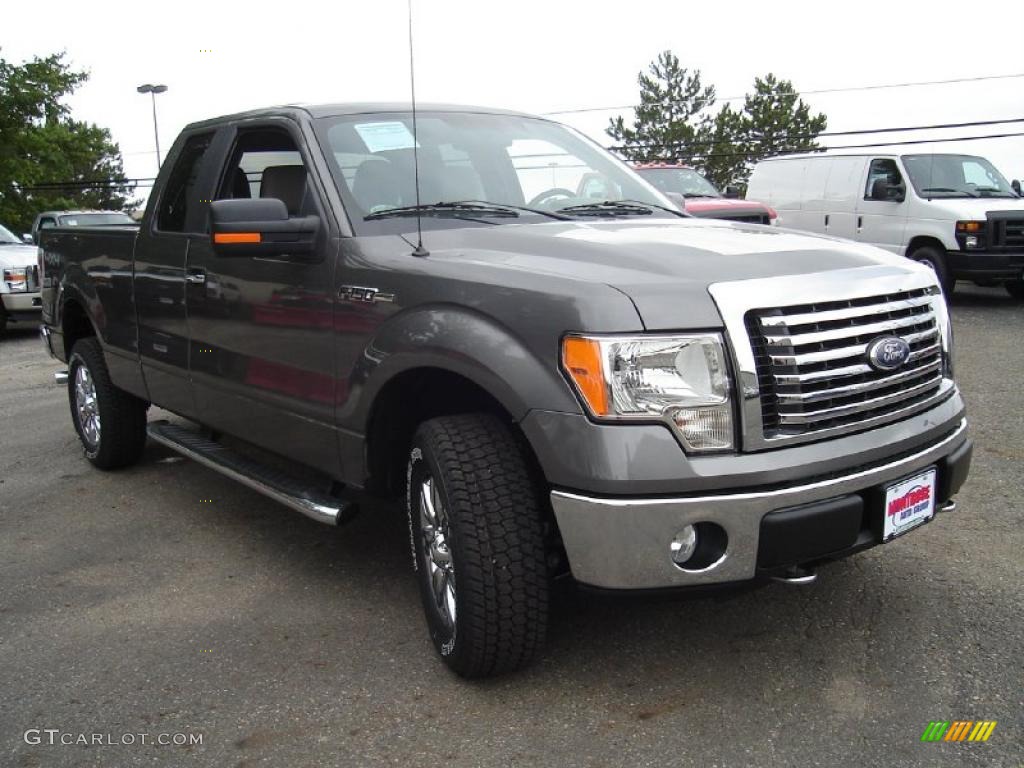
x=550 y=194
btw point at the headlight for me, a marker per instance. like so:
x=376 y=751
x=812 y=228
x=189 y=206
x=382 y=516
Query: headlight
x=971 y=234
x=945 y=332
x=682 y=380
x=16 y=279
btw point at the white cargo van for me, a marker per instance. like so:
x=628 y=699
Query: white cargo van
x=955 y=213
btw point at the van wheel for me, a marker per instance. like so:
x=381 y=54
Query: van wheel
x=110 y=422
x=1015 y=288
x=936 y=261
x=475 y=519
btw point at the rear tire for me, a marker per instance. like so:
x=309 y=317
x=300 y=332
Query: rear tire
x=476 y=523
x=936 y=261
x=1015 y=288
x=110 y=422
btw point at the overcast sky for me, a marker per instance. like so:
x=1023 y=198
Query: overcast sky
x=218 y=57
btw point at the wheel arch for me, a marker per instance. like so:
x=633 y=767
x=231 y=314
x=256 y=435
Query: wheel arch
x=75 y=323
x=413 y=396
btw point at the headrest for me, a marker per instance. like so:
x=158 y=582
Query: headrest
x=287 y=183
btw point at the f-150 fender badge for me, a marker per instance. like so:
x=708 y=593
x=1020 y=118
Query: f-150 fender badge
x=363 y=295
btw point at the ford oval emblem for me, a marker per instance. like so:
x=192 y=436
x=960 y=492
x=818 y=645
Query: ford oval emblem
x=888 y=353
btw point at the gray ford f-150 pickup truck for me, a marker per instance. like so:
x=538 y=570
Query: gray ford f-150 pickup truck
x=555 y=384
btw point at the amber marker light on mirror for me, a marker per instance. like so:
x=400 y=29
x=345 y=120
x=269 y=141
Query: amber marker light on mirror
x=581 y=359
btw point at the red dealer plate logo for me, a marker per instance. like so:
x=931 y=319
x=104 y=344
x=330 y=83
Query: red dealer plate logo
x=909 y=503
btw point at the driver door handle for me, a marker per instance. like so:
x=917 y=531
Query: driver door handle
x=196 y=276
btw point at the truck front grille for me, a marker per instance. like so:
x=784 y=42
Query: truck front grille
x=1007 y=233
x=812 y=367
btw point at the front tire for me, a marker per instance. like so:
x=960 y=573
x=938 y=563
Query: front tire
x=110 y=422
x=936 y=261
x=476 y=523
x=1015 y=288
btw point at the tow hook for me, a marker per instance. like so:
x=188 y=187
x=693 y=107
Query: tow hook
x=796 y=576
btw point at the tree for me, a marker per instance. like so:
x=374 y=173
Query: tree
x=47 y=159
x=776 y=121
x=673 y=123
x=664 y=127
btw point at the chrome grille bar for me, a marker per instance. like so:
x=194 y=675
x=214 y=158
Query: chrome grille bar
x=859 y=388
x=847 y=313
x=827 y=414
x=817 y=337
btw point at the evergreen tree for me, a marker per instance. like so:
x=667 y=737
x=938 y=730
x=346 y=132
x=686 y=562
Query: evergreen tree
x=673 y=123
x=667 y=122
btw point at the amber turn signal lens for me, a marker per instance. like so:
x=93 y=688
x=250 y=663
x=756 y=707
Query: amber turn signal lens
x=968 y=226
x=582 y=361
x=222 y=238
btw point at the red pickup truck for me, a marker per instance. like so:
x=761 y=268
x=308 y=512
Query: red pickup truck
x=700 y=197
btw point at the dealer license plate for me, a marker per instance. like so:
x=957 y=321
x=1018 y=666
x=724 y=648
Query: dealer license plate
x=909 y=503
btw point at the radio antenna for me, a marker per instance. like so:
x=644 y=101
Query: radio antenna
x=419 y=250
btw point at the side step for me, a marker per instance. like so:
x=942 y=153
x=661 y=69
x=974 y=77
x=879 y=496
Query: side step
x=271 y=482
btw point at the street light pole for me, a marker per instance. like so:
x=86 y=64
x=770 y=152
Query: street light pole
x=153 y=90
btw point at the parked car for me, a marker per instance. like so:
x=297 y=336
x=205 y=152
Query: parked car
x=957 y=215
x=49 y=219
x=699 y=197
x=19 y=281
x=554 y=384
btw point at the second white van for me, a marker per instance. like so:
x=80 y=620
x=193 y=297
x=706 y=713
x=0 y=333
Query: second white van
x=954 y=213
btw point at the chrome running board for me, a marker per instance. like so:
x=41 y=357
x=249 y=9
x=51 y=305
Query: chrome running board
x=278 y=485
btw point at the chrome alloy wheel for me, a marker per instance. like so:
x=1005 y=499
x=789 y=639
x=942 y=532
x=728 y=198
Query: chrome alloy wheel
x=434 y=543
x=87 y=405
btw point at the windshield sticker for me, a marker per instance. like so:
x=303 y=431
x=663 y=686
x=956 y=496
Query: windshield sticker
x=380 y=137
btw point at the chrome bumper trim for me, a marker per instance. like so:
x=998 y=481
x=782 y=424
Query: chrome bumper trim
x=624 y=543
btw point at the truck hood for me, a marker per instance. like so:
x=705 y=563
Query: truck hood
x=665 y=266
x=968 y=208
x=702 y=204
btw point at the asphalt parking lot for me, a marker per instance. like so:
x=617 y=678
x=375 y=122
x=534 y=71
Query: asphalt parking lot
x=167 y=599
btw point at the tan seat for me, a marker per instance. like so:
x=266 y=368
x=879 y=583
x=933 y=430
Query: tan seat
x=287 y=183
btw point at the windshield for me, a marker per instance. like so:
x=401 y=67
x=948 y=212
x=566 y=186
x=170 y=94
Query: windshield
x=498 y=160
x=94 y=219
x=955 y=176
x=6 y=238
x=683 y=181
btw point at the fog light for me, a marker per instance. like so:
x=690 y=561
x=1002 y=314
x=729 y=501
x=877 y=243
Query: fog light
x=971 y=241
x=684 y=545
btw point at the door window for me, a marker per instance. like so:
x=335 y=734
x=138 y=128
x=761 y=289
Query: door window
x=180 y=202
x=882 y=169
x=267 y=163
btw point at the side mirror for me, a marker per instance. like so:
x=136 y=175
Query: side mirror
x=259 y=227
x=733 y=192
x=27 y=239
x=678 y=199
x=1015 y=185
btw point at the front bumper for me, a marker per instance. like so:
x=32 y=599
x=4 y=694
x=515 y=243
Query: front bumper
x=985 y=265
x=22 y=306
x=624 y=543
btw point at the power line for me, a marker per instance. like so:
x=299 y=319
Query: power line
x=858 y=132
x=849 y=89
x=865 y=146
